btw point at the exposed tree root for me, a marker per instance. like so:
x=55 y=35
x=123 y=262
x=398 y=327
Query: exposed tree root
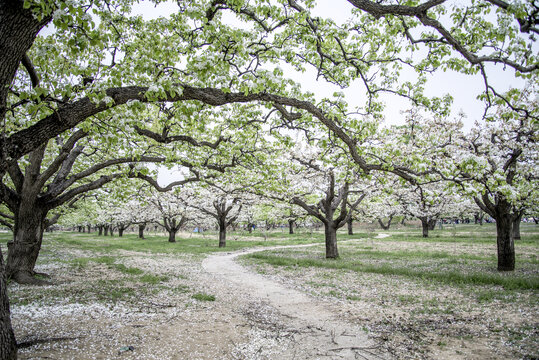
x=25 y=278
x=29 y=343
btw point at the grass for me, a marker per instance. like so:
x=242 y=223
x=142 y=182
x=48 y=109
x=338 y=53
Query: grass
x=203 y=297
x=456 y=277
x=428 y=281
x=446 y=286
x=156 y=244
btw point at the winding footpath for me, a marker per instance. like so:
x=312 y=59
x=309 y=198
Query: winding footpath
x=319 y=333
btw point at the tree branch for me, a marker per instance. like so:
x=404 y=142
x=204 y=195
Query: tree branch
x=178 y=138
x=27 y=63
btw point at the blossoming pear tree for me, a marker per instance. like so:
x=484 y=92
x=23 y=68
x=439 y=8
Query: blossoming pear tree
x=499 y=162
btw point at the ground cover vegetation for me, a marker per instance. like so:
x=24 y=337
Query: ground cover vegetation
x=92 y=94
x=439 y=296
x=419 y=297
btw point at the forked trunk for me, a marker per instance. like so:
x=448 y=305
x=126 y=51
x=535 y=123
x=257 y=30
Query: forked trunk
x=23 y=251
x=331 y=241
x=8 y=344
x=384 y=226
x=478 y=218
x=505 y=243
x=350 y=226
x=141 y=228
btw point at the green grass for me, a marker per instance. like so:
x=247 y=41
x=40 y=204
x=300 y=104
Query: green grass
x=203 y=297
x=455 y=277
x=106 y=260
x=160 y=244
x=468 y=233
x=152 y=279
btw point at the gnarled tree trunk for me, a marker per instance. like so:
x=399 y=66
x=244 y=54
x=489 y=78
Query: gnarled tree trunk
x=222 y=236
x=171 y=236
x=141 y=228
x=8 y=344
x=23 y=251
x=425 y=226
x=505 y=243
x=330 y=231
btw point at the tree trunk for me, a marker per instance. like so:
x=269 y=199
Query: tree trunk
x=505 y=243
x=121 y=231
x=8 y=344
x=141 y=228
x=432 y=224
x=19 y=28
x=106 y=228
x=23 y=251
x=222 y=234
x=111 y=230
x=331 y=241
x=250 y=228
x=478 y=218
x=425 y=226
x=89 y=229
x=172 y=235
x=382 y=225
x=350 y=226
x=79 y=228
x=516 y=227
x=291 y=224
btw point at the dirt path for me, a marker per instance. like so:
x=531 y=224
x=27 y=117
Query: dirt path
x=313 y=327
